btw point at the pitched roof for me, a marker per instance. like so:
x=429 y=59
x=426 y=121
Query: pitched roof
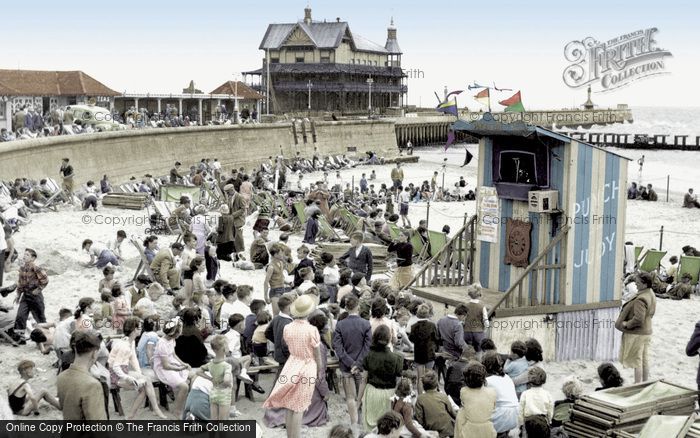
x=323 y=35
x=244 y=91
x=392 y=46
x=51 y=83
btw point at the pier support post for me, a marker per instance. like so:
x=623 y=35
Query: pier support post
x=679 y=140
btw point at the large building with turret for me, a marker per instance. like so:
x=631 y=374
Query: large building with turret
x=323 y=66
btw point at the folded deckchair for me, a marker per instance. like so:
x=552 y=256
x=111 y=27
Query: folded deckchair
x=671 y=426
x=690 y=265
x=651 y=260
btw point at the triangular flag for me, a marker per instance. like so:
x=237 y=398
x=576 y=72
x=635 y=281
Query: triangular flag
x=483 y=97
x=450 y=138
x=449 y=107
x=513 y=104
x=453 y=92
x=467 y=158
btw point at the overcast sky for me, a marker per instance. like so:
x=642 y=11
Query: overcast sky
x=160 y=46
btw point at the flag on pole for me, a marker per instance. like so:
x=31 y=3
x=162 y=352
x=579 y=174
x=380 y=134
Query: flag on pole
x=483 y=97
x=448 y=107
x=453 y=92
x=450 y=138
x=467 y=158
x=514 y=104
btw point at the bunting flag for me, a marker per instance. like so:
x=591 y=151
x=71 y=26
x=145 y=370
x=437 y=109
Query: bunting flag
x=450 y=138
x=448 y=107
x=483 y=97
x=456 y=92
x=467 y=158
x=513 y=104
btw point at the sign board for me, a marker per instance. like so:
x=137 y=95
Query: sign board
x=488 y=214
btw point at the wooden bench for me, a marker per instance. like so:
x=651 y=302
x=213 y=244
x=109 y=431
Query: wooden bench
x=161 y=387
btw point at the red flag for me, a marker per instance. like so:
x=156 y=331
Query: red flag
x=512 y=100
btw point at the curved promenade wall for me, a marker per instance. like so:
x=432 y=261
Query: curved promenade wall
x=123 y=154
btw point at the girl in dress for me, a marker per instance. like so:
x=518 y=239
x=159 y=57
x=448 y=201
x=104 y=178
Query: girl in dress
x=125 y=371
x=304 y=365
x=120 y=308
x=169 y=368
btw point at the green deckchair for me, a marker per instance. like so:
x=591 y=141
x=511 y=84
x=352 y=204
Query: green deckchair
x=394 y=231
x=326 y=229
x=437 y=242
x=638 y=252
x=417 y=244
x=299 y=208
x=690 y=265
x=651 y=260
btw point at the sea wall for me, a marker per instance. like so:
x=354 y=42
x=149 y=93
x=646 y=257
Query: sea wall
x=123 y=154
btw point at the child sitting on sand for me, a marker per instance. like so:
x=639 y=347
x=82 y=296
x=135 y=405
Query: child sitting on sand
x=44 y=333
x=536 y=401
x=105 y=310
x=21 y=396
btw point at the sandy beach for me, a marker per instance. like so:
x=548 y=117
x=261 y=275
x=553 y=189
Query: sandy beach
x=57 y=238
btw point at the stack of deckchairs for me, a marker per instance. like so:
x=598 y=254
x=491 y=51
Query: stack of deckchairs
x=627 y=409
x=131 y=201
x=379 y=253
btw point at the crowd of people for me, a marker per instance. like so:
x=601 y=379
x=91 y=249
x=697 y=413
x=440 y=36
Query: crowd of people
x=30 y=122
x=180 y=325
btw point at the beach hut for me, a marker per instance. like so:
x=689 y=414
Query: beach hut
x=548 y=243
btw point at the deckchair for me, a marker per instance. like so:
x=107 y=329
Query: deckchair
x=144 y=266
x=418 y=248
x=437 y=242
x=326 y=229
x=164 y=209
x=301 y=216
x=394 y=231
x=689 y=265
x=638 y=252
x=651 y=260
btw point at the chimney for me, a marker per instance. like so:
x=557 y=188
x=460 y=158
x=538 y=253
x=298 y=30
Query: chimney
x=337 y=19
x=307 y=14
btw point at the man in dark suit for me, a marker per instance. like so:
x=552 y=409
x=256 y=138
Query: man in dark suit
x=304 y=262
x=358 y=258
x=237 y=208
x=693 y=346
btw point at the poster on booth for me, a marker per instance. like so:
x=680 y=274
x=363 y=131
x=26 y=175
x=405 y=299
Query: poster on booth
x=488 y=215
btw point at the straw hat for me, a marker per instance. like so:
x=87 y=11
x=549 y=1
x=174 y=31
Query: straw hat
x=302 y=306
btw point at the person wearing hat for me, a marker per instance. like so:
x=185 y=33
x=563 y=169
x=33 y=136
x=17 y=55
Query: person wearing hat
x=225 y=234
x=163 y=267
x=236 y=206
x=79 y=393
x=175 y=176
x=295 y=386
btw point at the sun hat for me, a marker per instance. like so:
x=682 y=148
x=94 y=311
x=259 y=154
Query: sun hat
x=303 y=306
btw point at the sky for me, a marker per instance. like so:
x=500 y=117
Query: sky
x=160 y=46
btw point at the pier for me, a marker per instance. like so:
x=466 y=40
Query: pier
x=426 y=128
x=638 y=141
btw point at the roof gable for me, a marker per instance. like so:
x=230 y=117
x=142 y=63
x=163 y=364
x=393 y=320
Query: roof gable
x=299 y=36
x=243 y=90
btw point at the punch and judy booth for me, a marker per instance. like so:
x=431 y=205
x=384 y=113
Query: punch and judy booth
x=549 y=238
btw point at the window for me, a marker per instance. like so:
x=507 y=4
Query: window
x=300 y=58
x=352 y=61
x=2 y=110
x=325 y=59
x=375 y=62
x=274 y=60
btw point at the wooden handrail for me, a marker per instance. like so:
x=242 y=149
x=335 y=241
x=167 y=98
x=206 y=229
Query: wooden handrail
x=529 y=269
x=448 y=244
